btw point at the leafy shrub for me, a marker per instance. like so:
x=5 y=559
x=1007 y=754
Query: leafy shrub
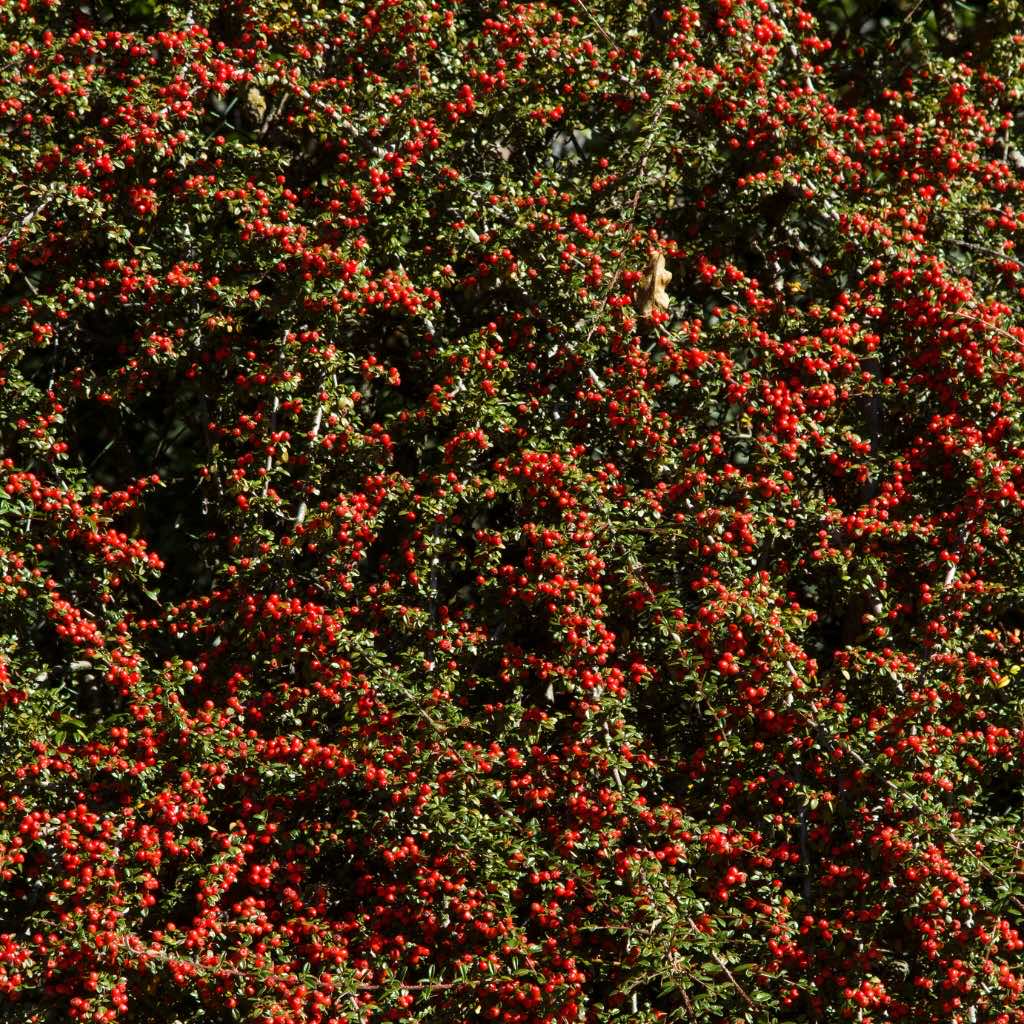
x=511 y=511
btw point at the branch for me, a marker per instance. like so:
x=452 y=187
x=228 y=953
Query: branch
x=270 y=458
x=635 y=204
x=27 y=219
x=725 y=968
x=318 y=419
x=275 y=114
x=600 y=28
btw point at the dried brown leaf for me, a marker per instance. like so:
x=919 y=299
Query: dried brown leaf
x=650 y=293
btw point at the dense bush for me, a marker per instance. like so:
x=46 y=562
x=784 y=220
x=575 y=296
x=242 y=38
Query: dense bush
x=511 y=511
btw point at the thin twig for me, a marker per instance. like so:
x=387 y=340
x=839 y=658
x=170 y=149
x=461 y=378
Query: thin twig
x=438 y=727
x=275 y=115
x=27 y=219
x=600 y=28
x=223 y=118
x=725 y=968
x=635 y=204
x=986 y=324
x=318 y=419
x=963 y=243
x=270 y=457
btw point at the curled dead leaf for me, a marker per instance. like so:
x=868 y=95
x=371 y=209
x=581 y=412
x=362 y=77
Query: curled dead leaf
x=650 y=293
